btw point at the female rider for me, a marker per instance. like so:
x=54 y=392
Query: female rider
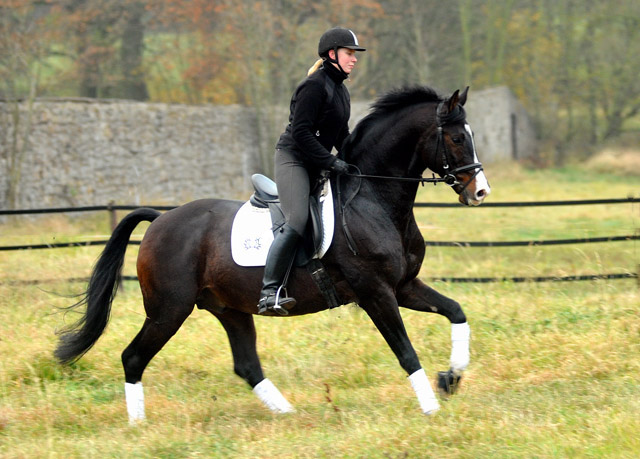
x=318 y=121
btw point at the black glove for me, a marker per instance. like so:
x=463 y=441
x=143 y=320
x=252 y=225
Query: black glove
x=340 y=167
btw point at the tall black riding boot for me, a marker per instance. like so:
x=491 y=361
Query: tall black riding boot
x=279 y=259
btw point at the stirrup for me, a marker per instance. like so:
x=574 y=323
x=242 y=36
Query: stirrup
x=273 y=302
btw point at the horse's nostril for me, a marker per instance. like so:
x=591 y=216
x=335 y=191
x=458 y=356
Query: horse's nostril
x=480 y=194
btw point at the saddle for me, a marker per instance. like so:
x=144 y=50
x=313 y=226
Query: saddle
x=265 y=196
x=257 y=221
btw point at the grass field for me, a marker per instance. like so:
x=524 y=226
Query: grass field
x=554 y=372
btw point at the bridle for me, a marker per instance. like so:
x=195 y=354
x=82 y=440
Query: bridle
x=448 y=177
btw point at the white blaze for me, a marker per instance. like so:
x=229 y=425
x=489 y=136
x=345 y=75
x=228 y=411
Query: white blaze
x=481 y=180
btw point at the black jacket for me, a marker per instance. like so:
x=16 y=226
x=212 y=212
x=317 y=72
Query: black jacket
x=318 y=119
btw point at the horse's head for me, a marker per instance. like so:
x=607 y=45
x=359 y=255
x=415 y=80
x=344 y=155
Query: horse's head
x=402 y=136
x=456 y=158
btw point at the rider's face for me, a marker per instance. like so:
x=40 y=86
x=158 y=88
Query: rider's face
x=346 y=58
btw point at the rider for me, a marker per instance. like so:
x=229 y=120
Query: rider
x=318 y=121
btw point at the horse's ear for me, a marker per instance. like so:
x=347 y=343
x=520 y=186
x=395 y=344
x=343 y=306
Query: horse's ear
x=453 y=101
x=448 y=104
x=463 y=96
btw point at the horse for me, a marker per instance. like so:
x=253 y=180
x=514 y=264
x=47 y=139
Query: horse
x=185 y=259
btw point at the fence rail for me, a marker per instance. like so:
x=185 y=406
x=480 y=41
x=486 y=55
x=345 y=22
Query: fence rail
x=115 y=207
x=112 y=208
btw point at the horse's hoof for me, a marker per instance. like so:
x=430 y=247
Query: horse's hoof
x=448 y=382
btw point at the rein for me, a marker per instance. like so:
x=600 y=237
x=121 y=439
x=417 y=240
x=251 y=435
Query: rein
x=448 y=179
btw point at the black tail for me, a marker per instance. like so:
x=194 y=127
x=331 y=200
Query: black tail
x=77 y=339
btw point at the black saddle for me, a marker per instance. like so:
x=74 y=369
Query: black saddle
x=266 y=196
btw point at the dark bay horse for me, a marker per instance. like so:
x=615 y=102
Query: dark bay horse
x=185 y=256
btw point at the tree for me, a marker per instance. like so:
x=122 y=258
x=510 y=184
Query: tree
x=275 y=43
x=573 y=64
x=108 y=38
x=133 y=84
x=22 y=48
x=613 y=42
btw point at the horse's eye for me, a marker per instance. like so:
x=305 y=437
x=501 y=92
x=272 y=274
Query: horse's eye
x=458 y=139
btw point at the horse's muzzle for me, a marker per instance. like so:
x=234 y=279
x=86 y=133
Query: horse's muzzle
x=476 y=192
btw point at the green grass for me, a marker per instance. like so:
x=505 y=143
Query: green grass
x=554 y=372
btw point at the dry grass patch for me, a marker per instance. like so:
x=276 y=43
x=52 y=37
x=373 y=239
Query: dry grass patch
x=616 y=161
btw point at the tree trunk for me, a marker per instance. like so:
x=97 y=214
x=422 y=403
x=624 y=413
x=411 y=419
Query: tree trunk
x=465 y=26
x=133 y=85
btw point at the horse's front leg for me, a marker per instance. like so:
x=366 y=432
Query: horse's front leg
x=383 y=311
x=418 y=296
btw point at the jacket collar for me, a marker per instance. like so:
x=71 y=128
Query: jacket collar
x=335 y=74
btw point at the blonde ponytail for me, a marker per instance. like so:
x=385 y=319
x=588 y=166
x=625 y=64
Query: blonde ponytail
x=315 y=67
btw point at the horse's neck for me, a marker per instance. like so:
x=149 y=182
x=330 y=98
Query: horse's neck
x=391 y=146
x=393 y=157
x=390 y=151
x=395 y=198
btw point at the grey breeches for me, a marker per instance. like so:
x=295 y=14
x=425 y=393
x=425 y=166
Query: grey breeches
x=292 y=180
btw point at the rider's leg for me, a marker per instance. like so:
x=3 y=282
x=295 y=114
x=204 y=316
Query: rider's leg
x=292 y=180
x=279 y=259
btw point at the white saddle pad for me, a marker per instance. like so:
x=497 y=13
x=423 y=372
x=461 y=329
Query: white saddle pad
x=251 y=234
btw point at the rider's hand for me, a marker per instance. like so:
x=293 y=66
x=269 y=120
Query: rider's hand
x=340 y=167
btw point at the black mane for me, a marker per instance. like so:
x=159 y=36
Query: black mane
x=397 y=99
x=389 y=103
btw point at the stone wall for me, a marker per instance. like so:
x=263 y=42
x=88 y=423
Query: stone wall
x=90 y=153
x=94 y=152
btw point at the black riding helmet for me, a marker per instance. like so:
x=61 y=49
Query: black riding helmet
x=335 y=38
x=338 y=37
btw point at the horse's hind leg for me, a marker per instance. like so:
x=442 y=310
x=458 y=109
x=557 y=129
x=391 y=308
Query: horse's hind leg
x=155 y=333
x=241 y=331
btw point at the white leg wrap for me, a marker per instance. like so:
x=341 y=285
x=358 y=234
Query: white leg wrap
x=421 y=385
x=460 y=334
x=271 y=397
x=134 y=394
